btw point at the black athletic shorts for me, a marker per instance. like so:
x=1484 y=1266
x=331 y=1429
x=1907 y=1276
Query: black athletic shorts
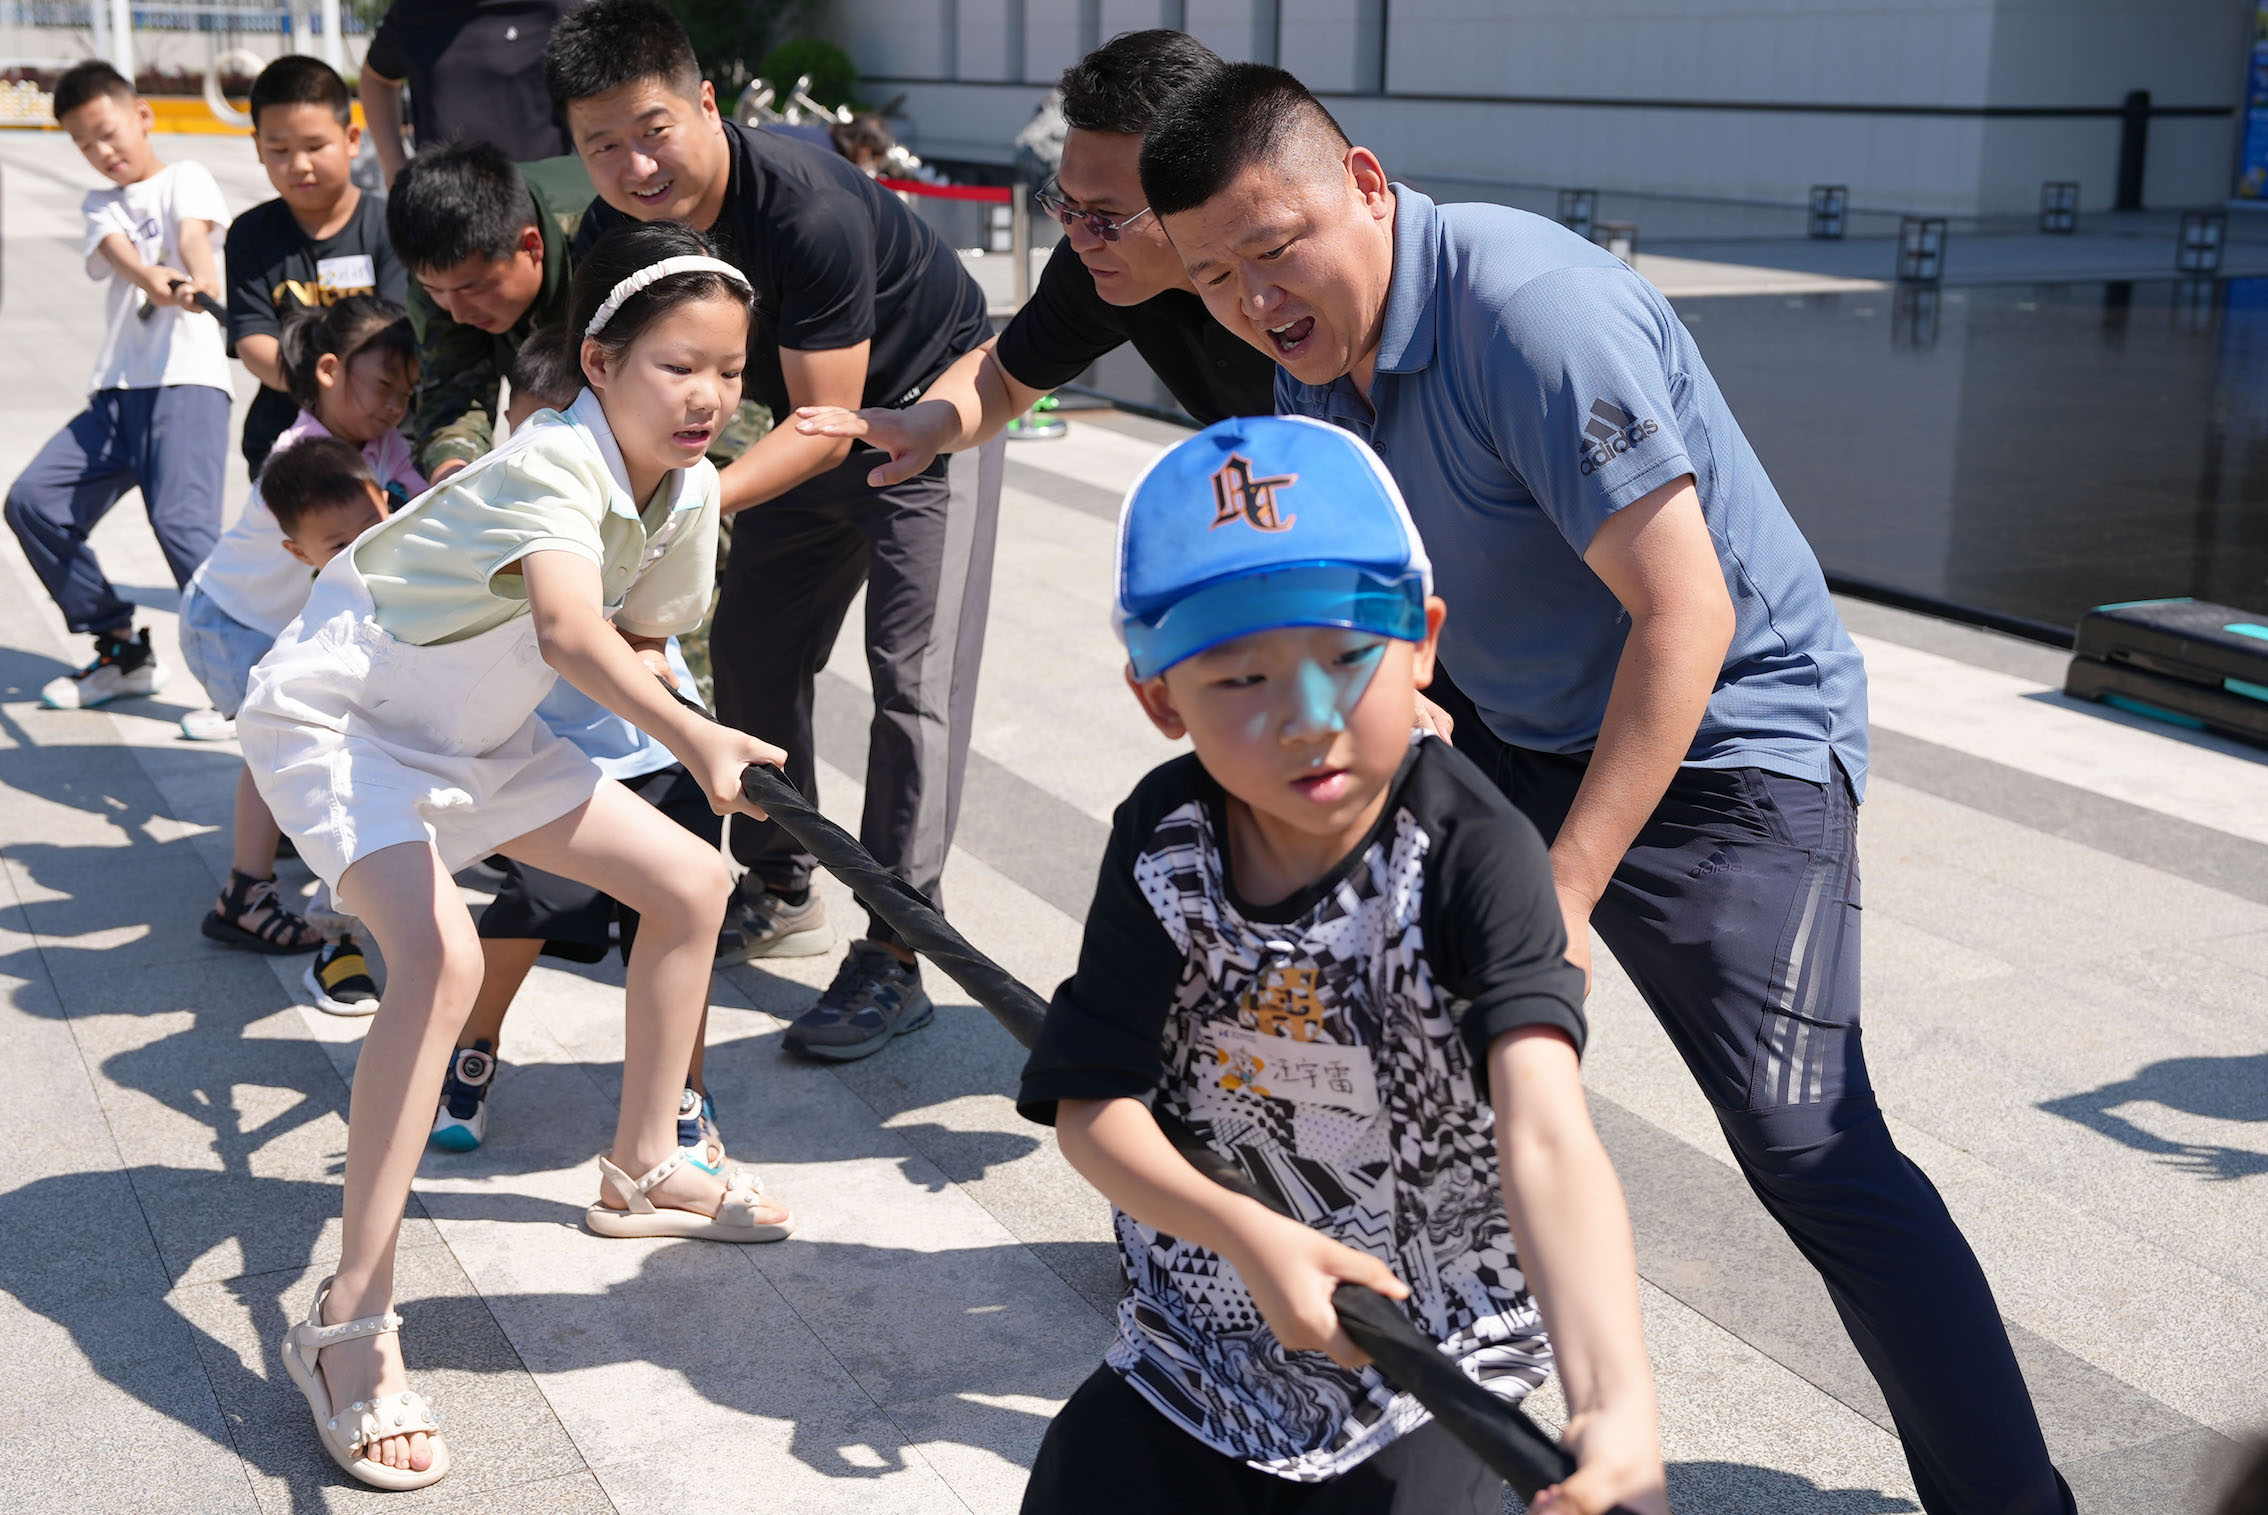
x=575 y=921
x=1108 y=1452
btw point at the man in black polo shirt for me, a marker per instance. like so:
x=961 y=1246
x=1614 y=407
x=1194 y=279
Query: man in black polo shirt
x=1113 y=279
x=859 y=305
x=471 y=67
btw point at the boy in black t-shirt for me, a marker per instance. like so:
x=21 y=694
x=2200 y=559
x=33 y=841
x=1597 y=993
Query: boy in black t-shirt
x=1326 y=945
x=320 y=240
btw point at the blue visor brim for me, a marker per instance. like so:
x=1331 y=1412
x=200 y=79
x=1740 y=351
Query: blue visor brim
x=1316 y=594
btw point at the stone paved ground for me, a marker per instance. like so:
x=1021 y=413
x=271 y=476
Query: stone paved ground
x=2067 y=975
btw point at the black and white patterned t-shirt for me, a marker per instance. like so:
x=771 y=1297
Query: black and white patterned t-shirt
x=1335 y=1045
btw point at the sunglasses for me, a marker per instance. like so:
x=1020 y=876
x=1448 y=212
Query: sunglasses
x=1049 y=198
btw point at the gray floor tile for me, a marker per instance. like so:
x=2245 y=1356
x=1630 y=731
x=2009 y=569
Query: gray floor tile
x=849 y=1467
x=501 y=1431
x=130 y=1438
x=982 y=1445
x=2182 y=1474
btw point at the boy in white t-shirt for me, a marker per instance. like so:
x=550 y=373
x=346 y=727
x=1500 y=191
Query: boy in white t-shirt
x=157 y=408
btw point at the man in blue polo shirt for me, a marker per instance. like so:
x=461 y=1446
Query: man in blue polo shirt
x=1645 y=657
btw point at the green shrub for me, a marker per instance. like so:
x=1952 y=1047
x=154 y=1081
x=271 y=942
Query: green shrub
x=834 y=79
x=728 y=35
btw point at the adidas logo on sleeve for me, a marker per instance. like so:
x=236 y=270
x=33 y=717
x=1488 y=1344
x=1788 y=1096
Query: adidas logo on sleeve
x=1610 y=430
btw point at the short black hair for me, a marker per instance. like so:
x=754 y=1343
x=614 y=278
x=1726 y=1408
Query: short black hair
x=296 y=79
x=1224 y=122
x=545 y=371
x=347 y=330
x=1120 y=85
x=317 y=473
x=457 y=201
x=609 y=43
x=82 y=82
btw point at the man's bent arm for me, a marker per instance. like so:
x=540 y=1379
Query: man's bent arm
x=784 y=457
x=382 y=110
x=1657 y=557
x=966 y=407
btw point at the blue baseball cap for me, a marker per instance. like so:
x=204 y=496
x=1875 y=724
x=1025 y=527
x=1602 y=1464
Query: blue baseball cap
x=1260 y=522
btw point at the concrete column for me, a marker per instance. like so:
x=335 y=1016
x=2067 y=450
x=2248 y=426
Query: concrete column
x=122 y=36
x=334 y=41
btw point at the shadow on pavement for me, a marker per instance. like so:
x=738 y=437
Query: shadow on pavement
x=1739 y=1488
x=2214 y=1088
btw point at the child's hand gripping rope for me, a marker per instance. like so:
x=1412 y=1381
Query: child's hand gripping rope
x=185 y=293
x=1510 y=1443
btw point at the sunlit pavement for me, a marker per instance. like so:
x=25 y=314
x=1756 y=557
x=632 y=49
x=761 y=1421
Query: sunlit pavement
x=2067 y=1002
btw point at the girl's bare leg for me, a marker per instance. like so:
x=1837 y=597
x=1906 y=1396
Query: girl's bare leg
x=432 y=973
x=678 y=884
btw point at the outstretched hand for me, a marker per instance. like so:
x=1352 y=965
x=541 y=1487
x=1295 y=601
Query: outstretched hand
x=913 y=437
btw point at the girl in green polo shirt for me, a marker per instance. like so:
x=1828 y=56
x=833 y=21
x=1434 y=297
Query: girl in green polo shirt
x=393 y=732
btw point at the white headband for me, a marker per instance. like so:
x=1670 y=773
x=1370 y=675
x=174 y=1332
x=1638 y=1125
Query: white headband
x=654 y=273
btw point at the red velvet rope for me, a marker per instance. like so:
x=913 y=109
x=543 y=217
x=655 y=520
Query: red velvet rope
x=990 y=194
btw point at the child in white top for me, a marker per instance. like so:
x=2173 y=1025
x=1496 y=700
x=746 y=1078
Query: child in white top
x=393 y=732
x=157 y=403
x=351 y=366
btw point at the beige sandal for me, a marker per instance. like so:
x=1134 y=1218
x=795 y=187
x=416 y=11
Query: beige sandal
x=364 y=1423
x=735 y=1220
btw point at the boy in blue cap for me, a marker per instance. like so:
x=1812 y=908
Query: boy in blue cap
x=1327 y=946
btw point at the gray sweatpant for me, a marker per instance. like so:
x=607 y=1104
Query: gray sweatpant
x=924 y=551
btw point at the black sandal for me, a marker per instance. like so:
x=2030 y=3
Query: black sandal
x=281 y=934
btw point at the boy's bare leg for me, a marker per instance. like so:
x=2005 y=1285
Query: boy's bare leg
x=257 y=833
x=505 y=963
x=678 y=885
x=412 y=908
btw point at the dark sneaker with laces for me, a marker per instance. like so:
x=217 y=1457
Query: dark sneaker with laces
x=123 y=667
x=873 y=998
x=339 y=978
x=462 y=1121
x=759 y=923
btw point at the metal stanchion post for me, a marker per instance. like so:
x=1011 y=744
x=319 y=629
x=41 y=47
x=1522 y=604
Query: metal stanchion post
x=1038 y=423
x=1020 y=241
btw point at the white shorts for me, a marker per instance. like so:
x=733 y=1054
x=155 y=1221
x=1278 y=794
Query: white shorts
x=359 y=742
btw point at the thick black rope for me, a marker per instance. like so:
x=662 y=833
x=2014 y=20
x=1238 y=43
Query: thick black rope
x=1499 y=1433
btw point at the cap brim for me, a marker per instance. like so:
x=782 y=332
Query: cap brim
x=1313 y=594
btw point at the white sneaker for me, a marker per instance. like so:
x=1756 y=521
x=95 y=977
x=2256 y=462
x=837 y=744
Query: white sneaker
x=121 y=669
x=207 y=726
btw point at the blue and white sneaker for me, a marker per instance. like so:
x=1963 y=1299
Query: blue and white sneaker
x=697 y=1124
x=462 y=1121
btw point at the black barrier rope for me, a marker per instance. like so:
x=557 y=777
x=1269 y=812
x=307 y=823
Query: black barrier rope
x=1499 y=1433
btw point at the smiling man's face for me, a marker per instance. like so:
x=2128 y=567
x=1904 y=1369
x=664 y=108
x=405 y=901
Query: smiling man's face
x=1296 y=257
x=654 y=153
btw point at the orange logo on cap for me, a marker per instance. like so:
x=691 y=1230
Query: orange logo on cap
x=1238 y=495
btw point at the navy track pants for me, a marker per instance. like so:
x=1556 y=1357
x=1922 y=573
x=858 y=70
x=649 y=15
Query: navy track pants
x=1736 y=915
